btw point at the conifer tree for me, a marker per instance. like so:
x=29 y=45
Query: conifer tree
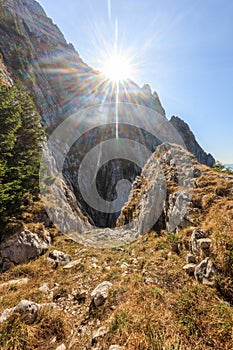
x=20 y=147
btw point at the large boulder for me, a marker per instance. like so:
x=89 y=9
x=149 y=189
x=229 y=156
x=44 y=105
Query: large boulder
x=22 y=247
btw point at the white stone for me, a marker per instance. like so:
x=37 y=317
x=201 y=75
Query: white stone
x=72 y=264
x=100 y=293
x=26 y=308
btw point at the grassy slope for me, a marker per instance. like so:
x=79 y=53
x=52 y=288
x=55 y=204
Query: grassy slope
x=153 y=305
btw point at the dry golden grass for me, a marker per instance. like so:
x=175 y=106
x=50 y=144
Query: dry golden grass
x=153 y=305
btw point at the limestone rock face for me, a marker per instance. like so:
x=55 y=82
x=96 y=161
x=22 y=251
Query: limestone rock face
x=160 y=199
x=21 y=247
x=191 y=143
x=150 y=200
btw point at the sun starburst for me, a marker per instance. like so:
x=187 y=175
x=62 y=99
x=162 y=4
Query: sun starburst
x=117 y=68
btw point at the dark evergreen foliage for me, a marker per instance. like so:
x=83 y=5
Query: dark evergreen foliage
x=21 y=136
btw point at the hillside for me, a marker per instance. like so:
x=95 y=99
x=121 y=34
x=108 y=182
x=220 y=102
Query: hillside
x=154 y=274
x=152 y=302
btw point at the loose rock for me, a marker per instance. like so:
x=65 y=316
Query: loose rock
x=72 y=264
x=27 y=309
x=99 y=333
x=196 y=235
x=57 y=257
x=100 y=293
x=205 y=271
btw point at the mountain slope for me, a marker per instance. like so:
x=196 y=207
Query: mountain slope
x=152 y=302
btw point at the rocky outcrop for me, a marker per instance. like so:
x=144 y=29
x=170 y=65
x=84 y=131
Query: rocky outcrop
x=152 y=202
x=28 y=310
x=22 y=247
x=160 y=198
x=34 y=50
x=199 y=263
x=191 y=142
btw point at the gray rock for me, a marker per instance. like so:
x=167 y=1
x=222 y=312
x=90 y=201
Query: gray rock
x=22 y=247
x=27 y=309
x=205 y=271
x=57 y=257
x=124 y=266
x=100 y=332
x=100 y=293
x=149 y=280
x=191 y=143
x=72 y=264
x=190 y=259
x=44 y=288
x=195 y=237
x=189 y=268
x=178 y=204
x=115 y=347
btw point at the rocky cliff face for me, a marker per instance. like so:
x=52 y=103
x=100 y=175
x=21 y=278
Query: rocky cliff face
x=35 y=50
x=191 y=142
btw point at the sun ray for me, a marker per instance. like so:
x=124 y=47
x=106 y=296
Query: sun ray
x=117 y=68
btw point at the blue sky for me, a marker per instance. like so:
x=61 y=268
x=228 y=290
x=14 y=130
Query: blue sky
x=182 y=48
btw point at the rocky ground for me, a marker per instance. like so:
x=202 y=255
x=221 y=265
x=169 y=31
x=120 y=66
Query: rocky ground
x=163 y=291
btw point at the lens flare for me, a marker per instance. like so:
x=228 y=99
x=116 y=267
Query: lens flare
x=117 y=68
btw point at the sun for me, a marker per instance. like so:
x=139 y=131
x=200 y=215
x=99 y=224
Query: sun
x=117 y=68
